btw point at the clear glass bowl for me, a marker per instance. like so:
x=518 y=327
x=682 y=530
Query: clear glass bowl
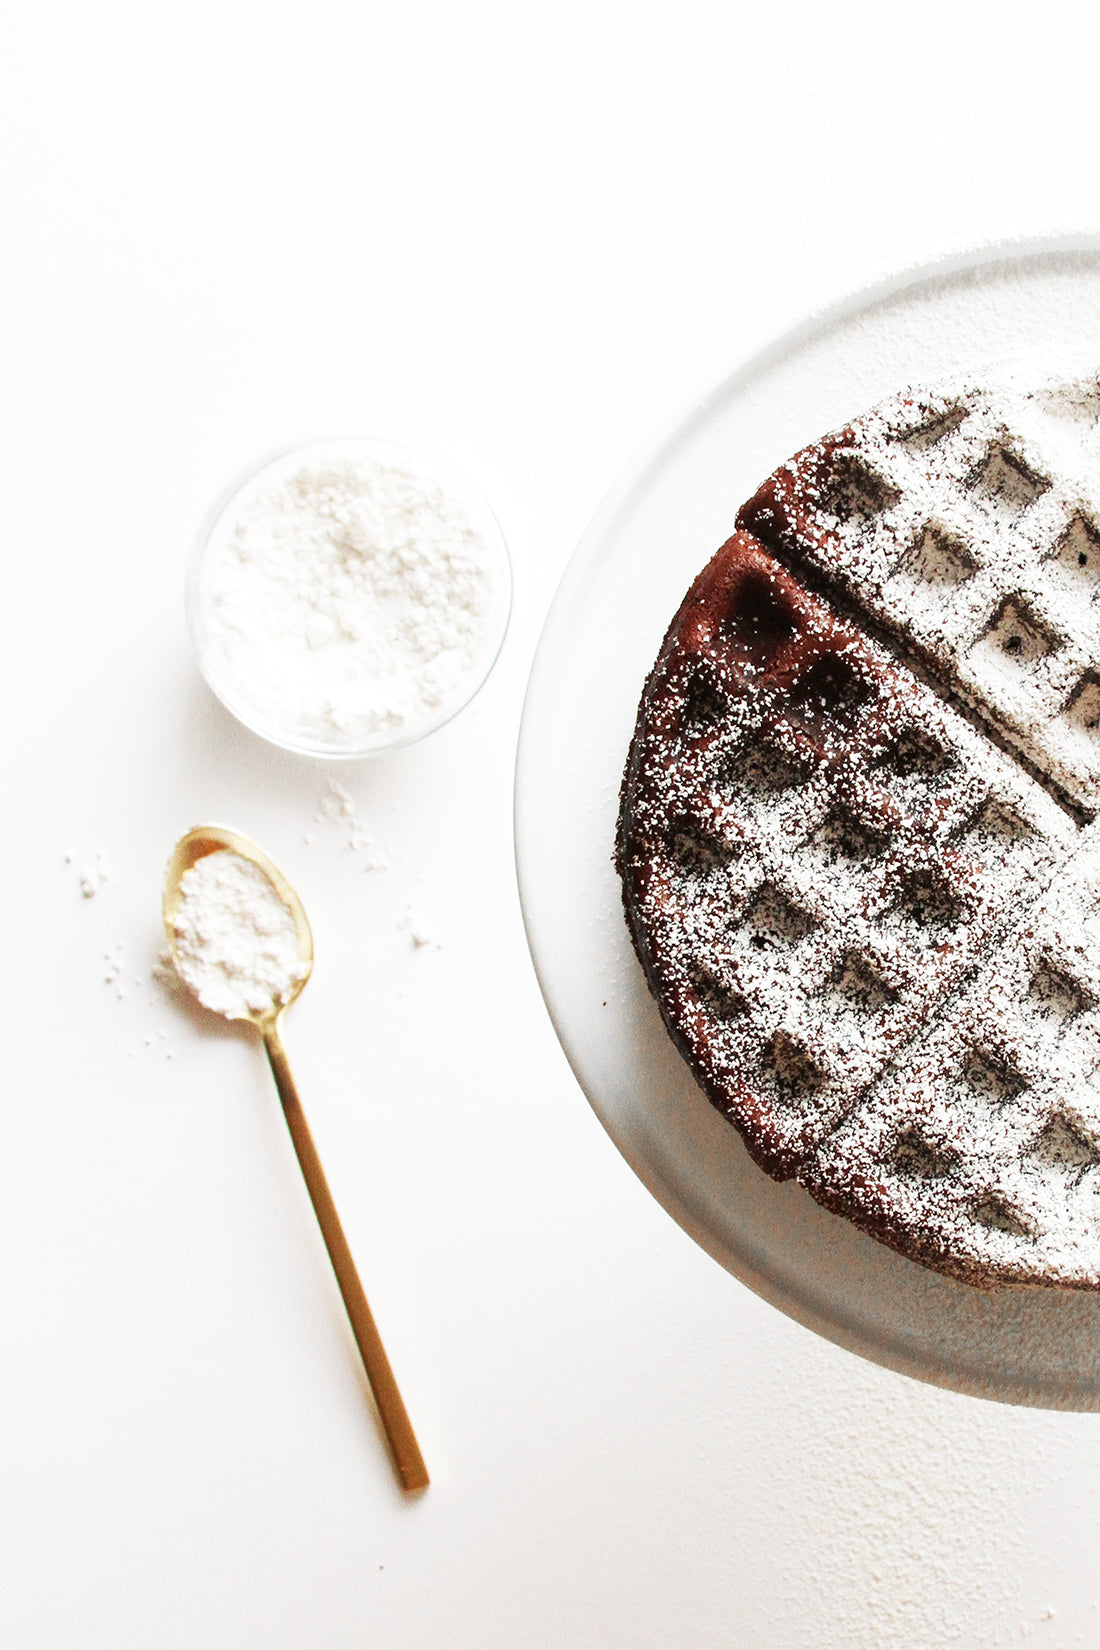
x=296 y=727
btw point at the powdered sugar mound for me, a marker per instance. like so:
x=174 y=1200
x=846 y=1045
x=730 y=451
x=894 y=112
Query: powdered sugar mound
x=236 y=941
x=351 y=602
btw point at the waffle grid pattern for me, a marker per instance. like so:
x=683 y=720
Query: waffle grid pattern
x=985 y=1142
x=969 y=523
x=820 y=871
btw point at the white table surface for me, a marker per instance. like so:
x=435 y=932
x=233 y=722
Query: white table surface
x=520 y=240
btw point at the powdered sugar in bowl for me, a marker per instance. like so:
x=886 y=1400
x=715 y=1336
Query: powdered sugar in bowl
x=348 y=596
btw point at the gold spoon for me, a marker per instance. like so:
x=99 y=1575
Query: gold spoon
x=209 y=839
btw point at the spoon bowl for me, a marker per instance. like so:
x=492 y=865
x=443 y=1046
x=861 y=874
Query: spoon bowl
x=211 y=839
x=189 y=850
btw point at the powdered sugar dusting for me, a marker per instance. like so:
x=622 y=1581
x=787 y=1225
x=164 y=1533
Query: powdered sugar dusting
x=968 y=520
x=872 y=931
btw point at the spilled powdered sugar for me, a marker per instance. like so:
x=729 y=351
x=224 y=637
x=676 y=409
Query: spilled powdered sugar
x=338 y=807
x=236 y=942
x=92 y=876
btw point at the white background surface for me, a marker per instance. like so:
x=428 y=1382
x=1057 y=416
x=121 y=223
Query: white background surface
x=519 y=239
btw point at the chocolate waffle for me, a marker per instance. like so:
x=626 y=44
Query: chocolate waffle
x=854 y=835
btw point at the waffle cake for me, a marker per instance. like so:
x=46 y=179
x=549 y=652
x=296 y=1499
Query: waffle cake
x=856 y=835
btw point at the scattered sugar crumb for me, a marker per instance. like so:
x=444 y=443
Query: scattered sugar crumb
x=93 y=877
x=338 y=807
x=114 y=977
x=112 y=971
x=420 y=932
x=336 y=803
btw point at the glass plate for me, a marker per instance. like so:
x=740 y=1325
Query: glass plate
x=662 y=522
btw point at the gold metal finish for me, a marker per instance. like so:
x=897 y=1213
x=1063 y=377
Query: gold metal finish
x=209 y=839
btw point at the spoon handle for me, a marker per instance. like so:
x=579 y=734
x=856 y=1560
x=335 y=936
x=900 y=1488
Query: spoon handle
x=406 y=1451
